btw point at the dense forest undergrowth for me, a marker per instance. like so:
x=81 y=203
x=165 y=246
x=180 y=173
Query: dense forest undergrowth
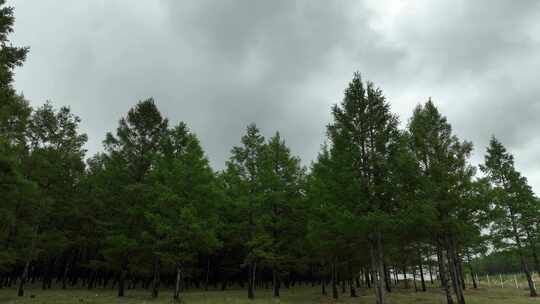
x=149 y=215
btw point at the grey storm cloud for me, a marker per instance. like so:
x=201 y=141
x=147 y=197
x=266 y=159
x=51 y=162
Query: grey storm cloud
x=219 y=65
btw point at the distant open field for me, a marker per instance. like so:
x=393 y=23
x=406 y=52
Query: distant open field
x=298 y=295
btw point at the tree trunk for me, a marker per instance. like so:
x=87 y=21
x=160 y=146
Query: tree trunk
x=92 y=279
x=47 y=276
x=377 y=260
x=352 y=289
x=455 y=271
x=334 y=281
x=475 y=286
x=177 y=284
x=414 y=279
x=65 y=276
x=275 y=282
x=421 y=267
x=405 y=277
x=459 y=281
x=532 y=244
x=367 y=278
x=382 y=273
x=156 y=281
x=387 y=278
x=442 y=275
x=122 y=282
x=430 y=273
x=251 y=280
x=524 y=266
x=207 y=279
x=24 y=277
x=461 y=273
x=26 y=269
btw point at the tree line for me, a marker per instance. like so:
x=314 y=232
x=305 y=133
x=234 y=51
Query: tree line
x=150 y=212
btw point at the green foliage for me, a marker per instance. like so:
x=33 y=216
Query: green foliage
x=181 y=214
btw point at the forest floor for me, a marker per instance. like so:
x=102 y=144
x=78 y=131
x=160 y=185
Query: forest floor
x=294 y=295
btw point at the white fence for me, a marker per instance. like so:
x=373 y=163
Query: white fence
x=502 y=280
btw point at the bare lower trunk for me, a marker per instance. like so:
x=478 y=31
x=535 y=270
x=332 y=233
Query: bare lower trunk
x=461 y=273
x=377 y=259
x=156 y=280
x=334 y=281
x=251 y=280
x=122 y=282
x=442 y=275
x=405 y=277
x=414 y=279
x=455 y=271
x=532 y=245
x=475 y=286
x=382 y=273
x=275 y=282
x=207 y=279
x=24 y=277
x=178 y=282
x=47 y=279
x=421 y=267
x=65 y=276
x=458 y=286
x=352 y=289
x=387 y=278
x=430 y=273
x=525 y=267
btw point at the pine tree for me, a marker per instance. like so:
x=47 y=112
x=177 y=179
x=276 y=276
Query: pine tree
x=512 y=199
x=181 y=215
x=446 y=178
x=55 y=164
x=280 y=220
x=14 y=113
x=137 y=142
x=243 y=181
x=363 y=132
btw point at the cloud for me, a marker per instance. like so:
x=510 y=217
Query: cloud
x=221 y=65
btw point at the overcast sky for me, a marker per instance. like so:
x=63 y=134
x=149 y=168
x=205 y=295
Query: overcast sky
x=219 y=65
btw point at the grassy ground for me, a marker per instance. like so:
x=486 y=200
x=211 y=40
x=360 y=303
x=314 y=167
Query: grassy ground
x=294 y=295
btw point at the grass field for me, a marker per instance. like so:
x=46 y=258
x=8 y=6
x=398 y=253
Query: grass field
x=293 y=295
